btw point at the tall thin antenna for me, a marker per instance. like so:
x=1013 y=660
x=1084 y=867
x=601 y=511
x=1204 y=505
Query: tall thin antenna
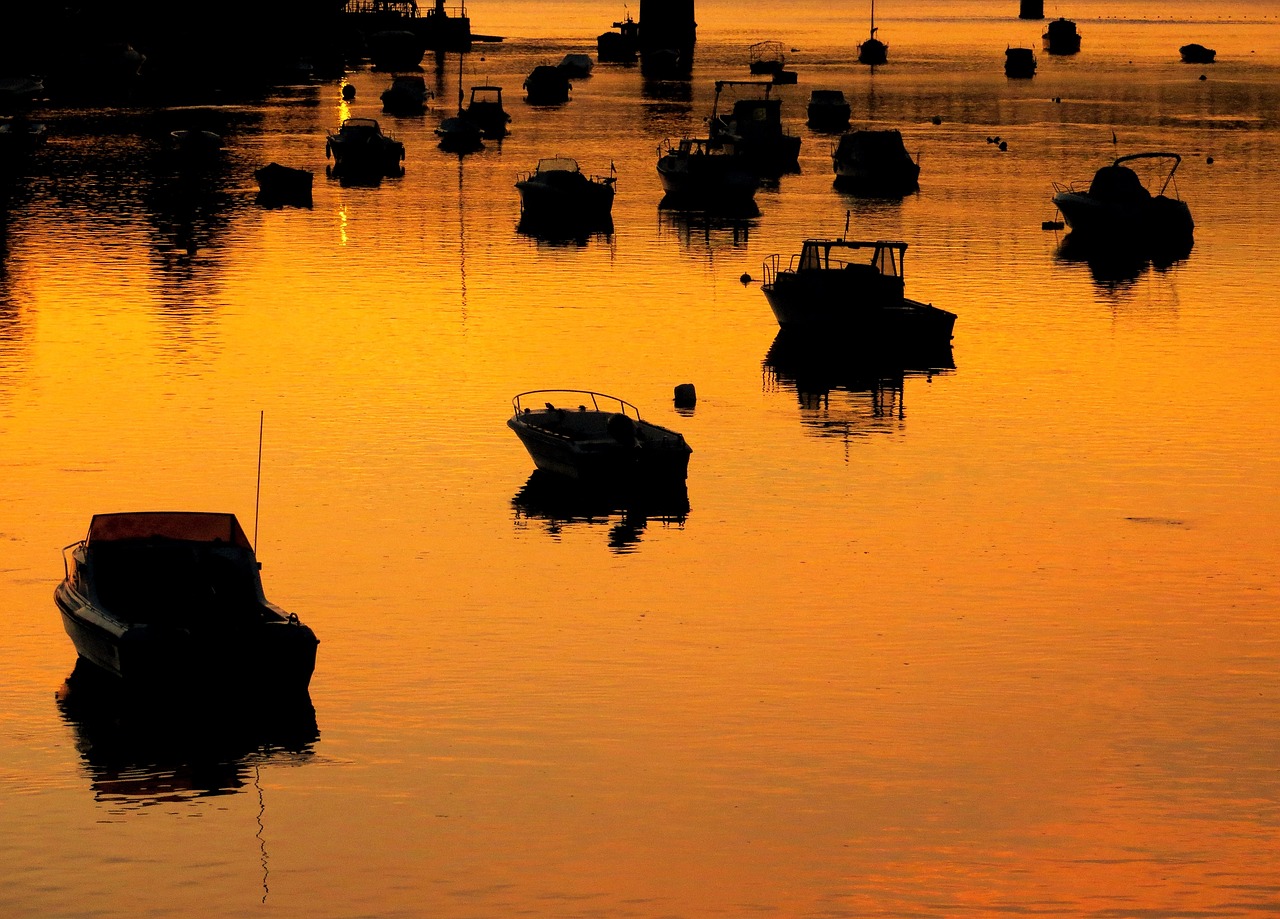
x=257 y=497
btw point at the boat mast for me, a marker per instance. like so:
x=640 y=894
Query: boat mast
x=873 y=18
x=257 y=497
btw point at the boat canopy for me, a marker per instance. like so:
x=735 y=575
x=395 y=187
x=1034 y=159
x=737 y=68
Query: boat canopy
x=886 y=257
x=191 y=526
x=558 y=164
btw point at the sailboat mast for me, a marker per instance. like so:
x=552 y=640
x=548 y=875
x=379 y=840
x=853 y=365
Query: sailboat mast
x=873 y=18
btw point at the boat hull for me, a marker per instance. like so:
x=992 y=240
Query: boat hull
x=605 y=459
x=1158 y=222
x=707 y=180
x=808 y=305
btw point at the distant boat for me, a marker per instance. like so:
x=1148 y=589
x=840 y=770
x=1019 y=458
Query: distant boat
x=875 y=163
x=461 y=134
x=396 y=49
x=699 y=174
x=593 y=437
x=1197 y=54
x=754 y=130
x=873 y=51
x=558 y=192
x=547 y=85
x=19 y=137
x=1061 y=37
x=1019 y=63
x=576 y=66
x=485 y=111
x=437 y=30
x=619 y=47
x=407 y=95
x=853 y=288
x=828 y=110
x=176 y=598
x=359 y=148
x=192 y=142
x=1118 y=208
x=283 y=185
x=766 y=58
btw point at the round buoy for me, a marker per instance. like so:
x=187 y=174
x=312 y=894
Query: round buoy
x=937 y=119
x=1203 y=78
x=745 y=279
x=1003 y=146
x=348 y=92
x=1209 y=160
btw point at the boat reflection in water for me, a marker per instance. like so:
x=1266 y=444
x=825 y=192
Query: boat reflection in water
x=844 y=391
x=142 y=749
x=1115 y=266
x=559 y=502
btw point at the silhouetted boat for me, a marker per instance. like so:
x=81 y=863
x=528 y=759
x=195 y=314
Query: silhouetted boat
x=594 y=437
x=873 y=51
x=19 y=137
x=558 y=192
x=576 y=66
x=1061 y=37
x=1019 y=63
x=396 y=49
x=546 y=85
x=699 y=174
x=766 y=58
x=754 y=130
x=407 y=95
x=280 y=185
x=437 y=30
x=875 y=163
x=485 y=111
x=619 y=47
x=1119 y=207
x=664 y=64
x=828 y=110
x=360 y=148
x=19 y=92
x=193 y=142
x=1197 y=54
x=854 y=288
x=176 y=597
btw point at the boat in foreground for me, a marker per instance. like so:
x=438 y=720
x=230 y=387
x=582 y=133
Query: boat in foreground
x=557 y=191
x=856 y=288
x=700 y=174
x=1119 y=208
x=875 y=163
x=175 y=598
x=590 y=436
x=360 y=148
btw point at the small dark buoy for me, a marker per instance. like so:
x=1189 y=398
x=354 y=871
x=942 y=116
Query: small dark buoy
x=991 y=140
x=686 y=396
x=1057 y=99
x=1203 y=78
x=1003 y=146
x=745 y=279
x=348 y=92
x=937 y=119
x=1209 y=160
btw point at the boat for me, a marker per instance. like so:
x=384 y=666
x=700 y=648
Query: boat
x=1061 y=37
x=828 y=110
x=873 y=51
x=407 y=95
x=460 y=134
x=766 y=58
x=558 y=192
x=699 y=174
x=619 y=47
x=856 y=288
x=1019 y=63
x=438 y=30
x=576 y=66
x=360 y=148
x=485 y=111
x=280 y=185
x=19 y=137
x=875 y=163
x=665 y=64
x=546 y=85
x=176 y=598
x=193 y=142
x=1197 y=54
x=396 y=49
x=754 y=129
x=20 y=92
x=590 y=436
x=1118 y=207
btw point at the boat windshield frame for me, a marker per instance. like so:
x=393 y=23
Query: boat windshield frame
x=1154 y=155
x=573 y=399
x=887 y=256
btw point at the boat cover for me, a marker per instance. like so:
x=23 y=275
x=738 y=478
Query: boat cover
x=187 y=525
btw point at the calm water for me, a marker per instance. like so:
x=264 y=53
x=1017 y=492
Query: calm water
x=997 y=638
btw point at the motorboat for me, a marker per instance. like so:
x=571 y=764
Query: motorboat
x=856 y=288
x=19 y=137
x=360 y=148
x=754 y=130
x=1119 y=207
x=407 y=95
x=176 y=598
x=619 y=47
x=828 y=110
x=873 y=51
x=485 y=111
x=280 y=185
x=558 y=192
x=590 y=436
x=195 y=142
x=875 y=163
x=1195 y=53
x=576 y=66
x=766 y=58
x=1019 y=63
x=1062 y=37
x=665 y=64
x=396 y=49
x=547 y=85
x=459 y=134
x=697 y=173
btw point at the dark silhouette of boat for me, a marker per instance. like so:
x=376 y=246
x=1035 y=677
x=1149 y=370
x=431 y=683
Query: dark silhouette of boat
x=593 y=437
x=360 y=149
x=485 y=111
x=854 y=288
x=1120 y=209
x=766 y=58
x=547 y=84
x=1019 y=63
x=20 y=136
x=1197 y=54
x=1061 y=37
x=407 y=95
x=753 y=129
x=438 y=29
x=576 y=66
x=828 y=110
x=873 y=51
x=699 y=174
x=619 y=47
x=557 y=192
x=176 y=598
x=283 y=185
x=395 y=49
x=875 y=163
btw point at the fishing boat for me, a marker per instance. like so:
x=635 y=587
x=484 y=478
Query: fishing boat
x=176 y=598
x=619 y=47
x=828 y=110
x=407 y=95
x=1061 y=37
x=558 y=192
x=359 y=147
x=1019 y=63
x=855 y=288
x=590 y=436
x=873 y=51
x=697 y=173
x=280 y=185
x=875 y=163
x=1119 y=207
x=753 y=128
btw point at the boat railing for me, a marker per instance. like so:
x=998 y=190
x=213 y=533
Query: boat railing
x=573 y=400
x=771 y=269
